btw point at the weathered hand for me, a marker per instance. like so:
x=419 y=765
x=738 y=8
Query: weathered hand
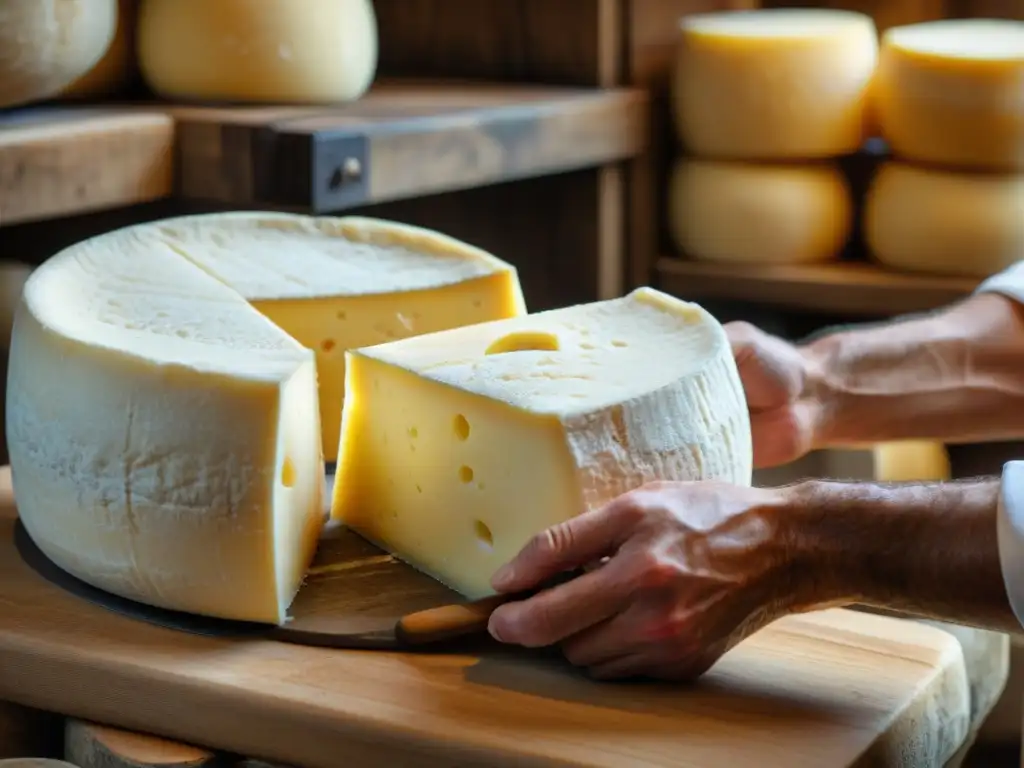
x=776 y=381
x=691 y=569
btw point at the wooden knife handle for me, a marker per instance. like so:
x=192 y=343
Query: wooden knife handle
x=450 y=621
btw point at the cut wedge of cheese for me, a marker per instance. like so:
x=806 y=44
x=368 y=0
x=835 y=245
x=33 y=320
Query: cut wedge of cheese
x=164 y=433
x=335 y=284
x=46 y=44
x=924 y=220
x=774 y=84
x=951 y=93
x=458 y=446
x=258 y=51
x=759 y=214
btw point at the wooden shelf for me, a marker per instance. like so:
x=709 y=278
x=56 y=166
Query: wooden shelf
x=403 y=139
x=62 y=161
x=841 y=288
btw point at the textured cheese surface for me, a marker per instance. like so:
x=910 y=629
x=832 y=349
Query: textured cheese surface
x=335 y=284
x=258 y=50
x=759 y=214
x=926 y=220
x=773 y=84
x=115 y=69
x=908 y=460
x=472 y=440
x=164 y=424
x=163 y=435
x=46 y=44
x=951 y=93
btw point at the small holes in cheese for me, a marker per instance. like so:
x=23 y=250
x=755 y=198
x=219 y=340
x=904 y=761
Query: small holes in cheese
x=618 y=343
x=524 y=341
x=288 y=472
x=483 y=533
x=466 y=474
x=461 y=427
x=327 y=345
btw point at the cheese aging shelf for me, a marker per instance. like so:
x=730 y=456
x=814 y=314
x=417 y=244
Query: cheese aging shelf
x=845 y=287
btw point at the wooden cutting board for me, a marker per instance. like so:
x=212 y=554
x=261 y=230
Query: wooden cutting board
x=830 y=689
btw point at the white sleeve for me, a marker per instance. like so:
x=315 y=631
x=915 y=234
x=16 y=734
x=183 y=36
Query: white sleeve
x=1009 y=282
x=1010 y=531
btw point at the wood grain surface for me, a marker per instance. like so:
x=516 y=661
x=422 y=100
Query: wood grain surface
x=401 y=140
x=58 y=161
x=834 y=688
x=855 y=288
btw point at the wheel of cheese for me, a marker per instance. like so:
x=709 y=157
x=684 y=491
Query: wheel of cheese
x=258 y=50
x=172 y=387
x=951 y=93
x=776 y=84
x=115 y=70
x=759 y=214
x=926 y=220
x=908 y=460
x=46 y=44
x=89 y=745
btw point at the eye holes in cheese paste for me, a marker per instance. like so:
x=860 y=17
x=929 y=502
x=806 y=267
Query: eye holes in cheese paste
x=461 y=427
x=483 y=533
x=327 y=345
x=466 y=474
x=288 y=473
x=524 y=341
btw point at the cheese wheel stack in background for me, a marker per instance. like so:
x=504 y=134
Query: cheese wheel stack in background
x=949 y=100
x=764 y=103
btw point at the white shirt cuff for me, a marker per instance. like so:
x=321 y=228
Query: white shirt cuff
x=1010 y=530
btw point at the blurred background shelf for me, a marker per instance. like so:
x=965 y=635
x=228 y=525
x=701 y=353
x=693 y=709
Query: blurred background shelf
x=853 y=288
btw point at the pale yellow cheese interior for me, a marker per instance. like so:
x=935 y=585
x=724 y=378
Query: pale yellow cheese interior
x=458 y=446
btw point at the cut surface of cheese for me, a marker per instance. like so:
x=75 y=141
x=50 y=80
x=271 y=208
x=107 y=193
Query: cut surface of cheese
x=925 y=220
x=951 y=93
x=458 y=446
x=335 y=284
x=759 y=214
x=773 y=84
x=163 y=416
x=909 y=460
x=163 y=435
x=115 y=69
x=46 y=44
x=258 y=51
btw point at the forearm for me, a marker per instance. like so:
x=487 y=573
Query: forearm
x=925 y=549
x=955 y=376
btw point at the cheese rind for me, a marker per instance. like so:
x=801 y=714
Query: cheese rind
x=163 y=435
x=453 y=457
x=949 y=93
x=46 y=44
x=773 y=84
x=925 y=220
x=339 y=283
x=759 y=214
x=258 y=51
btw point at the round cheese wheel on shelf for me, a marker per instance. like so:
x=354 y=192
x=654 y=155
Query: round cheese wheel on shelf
x=778 y=84
x=759 y=214
x=46 y=44
x=258 y=51
x=925 y=220
x=951 y=93
x=114 y=71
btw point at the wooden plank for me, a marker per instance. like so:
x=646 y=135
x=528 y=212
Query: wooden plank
x=830 y=689
x=69 y=160
x=402 y=141
x=853 y=288
x=560 y=42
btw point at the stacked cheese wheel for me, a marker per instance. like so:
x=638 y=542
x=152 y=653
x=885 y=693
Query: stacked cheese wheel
x=174 y=388
x=949 y=100
x=765 y=102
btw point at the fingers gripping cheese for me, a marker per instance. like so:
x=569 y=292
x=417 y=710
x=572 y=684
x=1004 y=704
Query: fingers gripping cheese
x=951 y=93
x=458 y=446
x=773 y=84
x=164 y=433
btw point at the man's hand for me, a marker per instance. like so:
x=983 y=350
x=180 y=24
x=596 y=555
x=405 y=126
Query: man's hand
x=691 y=569
x=777 y=380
